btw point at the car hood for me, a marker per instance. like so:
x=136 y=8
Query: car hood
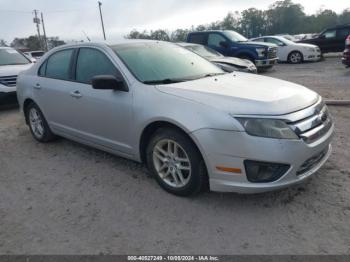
x=258 y=44
x=231 y=61
x=10 y=70
x=244 y=94
x=306 y=45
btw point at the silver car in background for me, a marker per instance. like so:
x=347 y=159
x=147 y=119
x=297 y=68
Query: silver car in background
x=191 y=123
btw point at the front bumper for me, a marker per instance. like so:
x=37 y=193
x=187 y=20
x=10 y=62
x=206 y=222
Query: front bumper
x=266 y=62
x=8 y=97
x=346 y=57
x=231 y=148
x=312 y=56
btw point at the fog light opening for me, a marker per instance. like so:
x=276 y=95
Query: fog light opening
x=264 y=172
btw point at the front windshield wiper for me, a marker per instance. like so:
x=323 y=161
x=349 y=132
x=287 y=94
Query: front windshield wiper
x=164 y=81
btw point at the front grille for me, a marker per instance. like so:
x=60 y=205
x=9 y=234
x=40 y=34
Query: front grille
x=272 y=53
x=8 y=80
x=315 y=125
x=312 y=162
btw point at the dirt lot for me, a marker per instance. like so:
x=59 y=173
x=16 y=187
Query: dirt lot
x=65 y=198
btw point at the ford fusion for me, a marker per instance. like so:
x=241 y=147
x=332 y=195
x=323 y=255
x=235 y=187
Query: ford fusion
x=191 y=123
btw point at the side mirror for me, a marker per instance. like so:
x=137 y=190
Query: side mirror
x=109 y=82
x=223 y=44
x=322 y=37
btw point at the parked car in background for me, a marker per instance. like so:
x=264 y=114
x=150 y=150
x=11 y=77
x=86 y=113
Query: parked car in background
x=289 y=51
x=331 y=39
x=34 y=55
x=228 y=64
x=231 y=43
x=193 y=124
x=11 y=63
x=346 y=54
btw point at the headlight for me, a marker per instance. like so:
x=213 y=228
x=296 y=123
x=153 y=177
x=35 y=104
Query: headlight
x=270 y=128
x=312 y=49
x=261 y=52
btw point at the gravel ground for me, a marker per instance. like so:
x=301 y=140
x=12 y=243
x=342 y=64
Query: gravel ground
x=329 y=78
x=65 y=198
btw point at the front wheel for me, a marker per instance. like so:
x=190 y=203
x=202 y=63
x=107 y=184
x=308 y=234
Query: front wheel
x=295 y=57
x=176 y=162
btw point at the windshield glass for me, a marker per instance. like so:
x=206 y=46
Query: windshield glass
x=234 y=36
x=285 y=40
x=156 y=61
x=204 y=51
x=10 y=56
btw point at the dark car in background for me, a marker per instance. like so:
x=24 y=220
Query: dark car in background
x=228 y=64
x=232 y=44
x=346 y=54
x=330 y=40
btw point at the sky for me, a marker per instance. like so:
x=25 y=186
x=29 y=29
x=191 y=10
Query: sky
x=72 y=19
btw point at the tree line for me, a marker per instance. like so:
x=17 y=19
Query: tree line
x=282 y=17
x=32 y=43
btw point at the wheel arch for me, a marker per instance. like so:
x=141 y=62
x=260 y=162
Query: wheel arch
x=152 y=127
x=26 y=103
x=293 y=51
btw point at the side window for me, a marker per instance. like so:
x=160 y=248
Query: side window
x=330 y=34
x=259 y=40
x=343 y=33
x=92 y=62
x=58 y=65
x=274 y=41
x=215 y=39
x=42 y=69
x=198 y=39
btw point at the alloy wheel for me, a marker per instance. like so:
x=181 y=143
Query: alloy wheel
x=295 y=58
x=172 y=163
x=36 y=123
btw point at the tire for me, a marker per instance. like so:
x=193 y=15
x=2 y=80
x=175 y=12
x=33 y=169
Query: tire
x=183 y=173
x=38 y=125
x=295 y=57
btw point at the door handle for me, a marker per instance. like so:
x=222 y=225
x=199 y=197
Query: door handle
x=37 y=86
x=76 y=94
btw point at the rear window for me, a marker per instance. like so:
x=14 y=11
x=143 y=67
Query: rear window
x=198 y=39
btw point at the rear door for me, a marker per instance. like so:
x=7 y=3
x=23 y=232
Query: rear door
x=52 y=87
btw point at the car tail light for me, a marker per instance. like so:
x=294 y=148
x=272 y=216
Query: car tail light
x=347 y=42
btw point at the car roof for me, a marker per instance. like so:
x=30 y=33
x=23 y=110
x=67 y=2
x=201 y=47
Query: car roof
x=338 y=27
x=109 y=44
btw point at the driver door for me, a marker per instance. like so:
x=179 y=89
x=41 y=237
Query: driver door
x=217 y=42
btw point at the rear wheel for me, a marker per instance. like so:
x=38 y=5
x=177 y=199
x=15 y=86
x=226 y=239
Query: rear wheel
x=37 y=124
x=176 y=163
x=295 y=57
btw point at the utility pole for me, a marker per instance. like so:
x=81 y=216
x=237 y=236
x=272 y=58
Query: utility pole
x=103 y=27
x=45 y=39
x=36 y=21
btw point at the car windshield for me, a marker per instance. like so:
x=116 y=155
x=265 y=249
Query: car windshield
x=10 y=56
x=235 y=37
x=285 y=40
x=158 y=62
x=204 y=51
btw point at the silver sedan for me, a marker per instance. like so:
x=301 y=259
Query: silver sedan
x=192 y=124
